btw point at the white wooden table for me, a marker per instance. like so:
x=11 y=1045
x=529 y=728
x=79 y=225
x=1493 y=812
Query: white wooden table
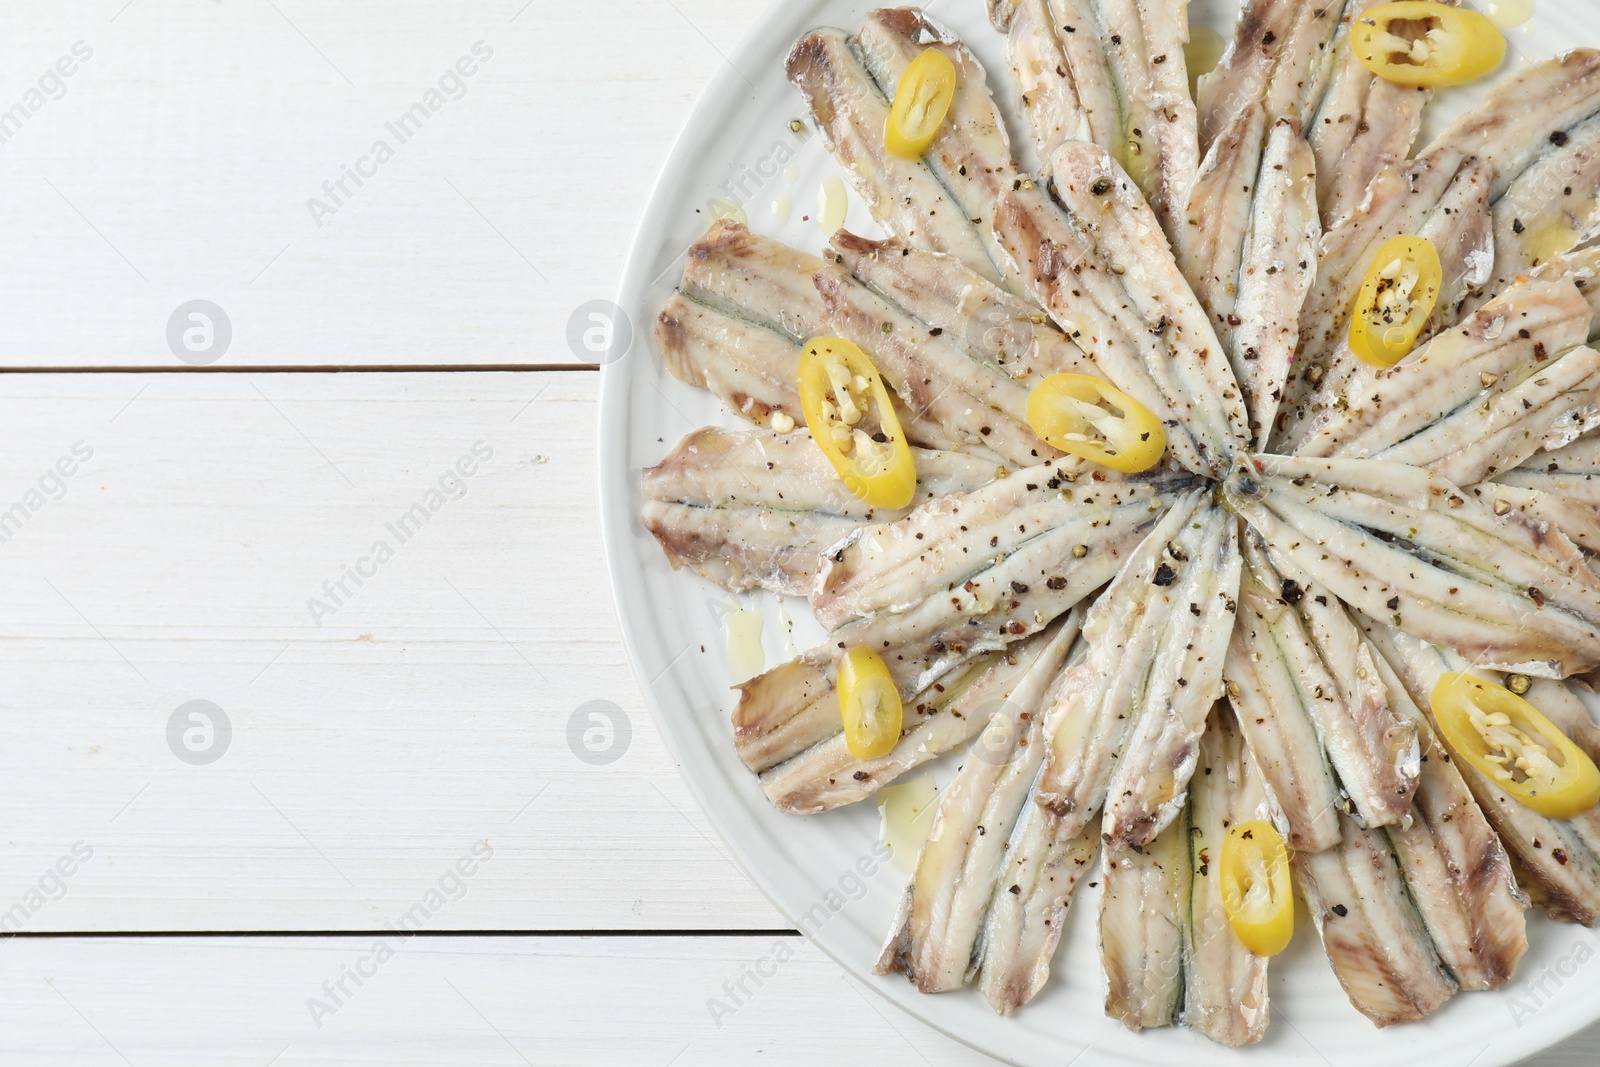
x=388 y=753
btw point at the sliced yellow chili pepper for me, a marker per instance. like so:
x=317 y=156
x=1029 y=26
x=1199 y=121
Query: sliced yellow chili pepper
x=852 y=419
x=1511 y=742
x=869 y=704
x=1257 y=889
x=1092 y=418
x=1400 y=292
x=921 y=101
x=1423 y=43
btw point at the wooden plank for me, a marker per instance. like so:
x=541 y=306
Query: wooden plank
x=375 y=739
x=218 y=1002
x=179 y=161
x=657 y=1001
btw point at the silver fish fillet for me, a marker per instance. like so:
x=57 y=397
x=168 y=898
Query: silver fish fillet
x=1395 y=543
x=1249 y=248
x=1448 y=203
x=1157 y=638
x=1361 y=125
x=1225 y=984
x=757 y=509
x=1579 y=522
x=1371 y=930
x=1043 y=865
x=1447 y=195
x=958 y=869
x=939 y=380
x=1458 y=872
x=1093 y=258
x=735 y=326
x=1004 y=333
x=1560 y=859
x=943 y=201
x=1309 y=700
x=1549 y=209
x=1266 y=684
x=946 y=715
x=1150 y=782
x=747 y=303
x=1110 y=72
x=965 y=574
x=1144 y=913
x=1477 y=399
x=1278 y=57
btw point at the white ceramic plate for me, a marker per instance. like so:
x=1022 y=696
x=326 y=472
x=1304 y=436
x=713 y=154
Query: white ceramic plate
x=736 y=147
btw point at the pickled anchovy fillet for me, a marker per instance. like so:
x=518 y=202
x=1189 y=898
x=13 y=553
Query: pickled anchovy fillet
x=1548 y=209
x=944 y=201
x=1144 y=911
x=1308 y=698
x=1361 y=125
x=1149 y=785
x=958 y=870
x=1280 y=58
x=1370 y=928
x=754 y=508
x=1225 y=984
x=750 y=368
x=1560 y=858
x=735 y=327
x=903 y=194
x=1447 y=194
x=990 y=568
x=1093 y=258
x=1111 y=72
x=1582 y=267
x=939 y=380
x=1579 y=522
x=1477 y=399
x=1252 y=261
x=1455 y=866
x=1005 y=334
x=1042 y=866
x=1274 y=708
x=1528 y=116
x=946 y=715
x=1445 y=202
x=748 y=302
x=1126 y=737
x=1560 y=485
x=1397 y=544
x=971 y=156
x=951 y=550
x=756 y=279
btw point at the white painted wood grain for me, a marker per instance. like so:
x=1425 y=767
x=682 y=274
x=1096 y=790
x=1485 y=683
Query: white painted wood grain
x=179 y=163
x=612 y=1002
x=429 y=712
x=445 y=1002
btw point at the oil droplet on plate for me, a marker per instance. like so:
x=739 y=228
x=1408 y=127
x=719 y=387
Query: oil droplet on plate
x=783 y=206
x=1508 y=14
x=719 y=209
x=746 y=659
x=832 y=204
x=787 y=622
x=907 y=818
x=791 y=173
x=1203 y=52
